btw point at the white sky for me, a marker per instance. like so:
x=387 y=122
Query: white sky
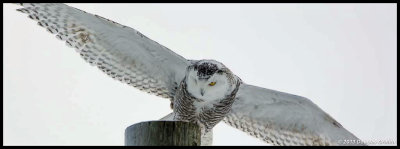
x=341 y=56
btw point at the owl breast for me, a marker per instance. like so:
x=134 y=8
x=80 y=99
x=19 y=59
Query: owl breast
x=202 y=112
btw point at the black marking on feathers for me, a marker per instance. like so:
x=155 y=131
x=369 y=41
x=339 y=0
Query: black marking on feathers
x=205 y=70
x=185 y=110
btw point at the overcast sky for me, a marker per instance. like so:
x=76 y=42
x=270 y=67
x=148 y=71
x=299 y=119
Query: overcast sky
x=341 y=56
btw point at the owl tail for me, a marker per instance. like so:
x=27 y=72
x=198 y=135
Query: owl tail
x=169 y=117
x=206 y=139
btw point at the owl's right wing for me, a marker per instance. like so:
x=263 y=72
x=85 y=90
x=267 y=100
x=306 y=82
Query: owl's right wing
x=284 y=119
x=120 y=51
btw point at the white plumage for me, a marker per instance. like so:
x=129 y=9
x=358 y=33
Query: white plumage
x=130 y=57
x=121 y=52
x=284 y=119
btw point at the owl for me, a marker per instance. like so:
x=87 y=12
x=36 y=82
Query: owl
x=204 y=92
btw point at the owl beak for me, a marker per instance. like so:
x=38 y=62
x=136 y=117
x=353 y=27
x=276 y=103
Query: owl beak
x=202 y=92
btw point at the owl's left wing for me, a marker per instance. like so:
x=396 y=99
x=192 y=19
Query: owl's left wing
x=284 y=119
x=120 y=51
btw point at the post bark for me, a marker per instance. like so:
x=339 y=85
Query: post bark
x=163 y=133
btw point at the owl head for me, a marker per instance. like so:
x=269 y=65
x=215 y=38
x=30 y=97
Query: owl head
x=210 y=80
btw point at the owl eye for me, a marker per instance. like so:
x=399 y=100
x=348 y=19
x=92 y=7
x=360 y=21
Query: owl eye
x=212 y=83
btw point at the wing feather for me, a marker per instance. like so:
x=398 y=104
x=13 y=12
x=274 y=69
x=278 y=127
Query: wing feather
x=284 y=119
x=120 y=51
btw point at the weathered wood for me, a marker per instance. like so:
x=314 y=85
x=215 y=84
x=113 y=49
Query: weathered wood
x=162 y=133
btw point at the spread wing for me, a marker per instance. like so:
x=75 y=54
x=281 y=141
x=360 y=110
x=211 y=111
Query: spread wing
x=284 y=119
x=120 y=51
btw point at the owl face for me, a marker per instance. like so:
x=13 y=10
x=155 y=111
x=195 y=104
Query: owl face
x=209 y=80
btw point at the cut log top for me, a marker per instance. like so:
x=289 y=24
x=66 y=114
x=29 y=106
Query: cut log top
x=163 y=133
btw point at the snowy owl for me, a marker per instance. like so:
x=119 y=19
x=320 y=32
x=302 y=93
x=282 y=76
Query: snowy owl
x=201 y=91
x=206 y=94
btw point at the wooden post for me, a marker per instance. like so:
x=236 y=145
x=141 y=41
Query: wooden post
x=160 y=133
